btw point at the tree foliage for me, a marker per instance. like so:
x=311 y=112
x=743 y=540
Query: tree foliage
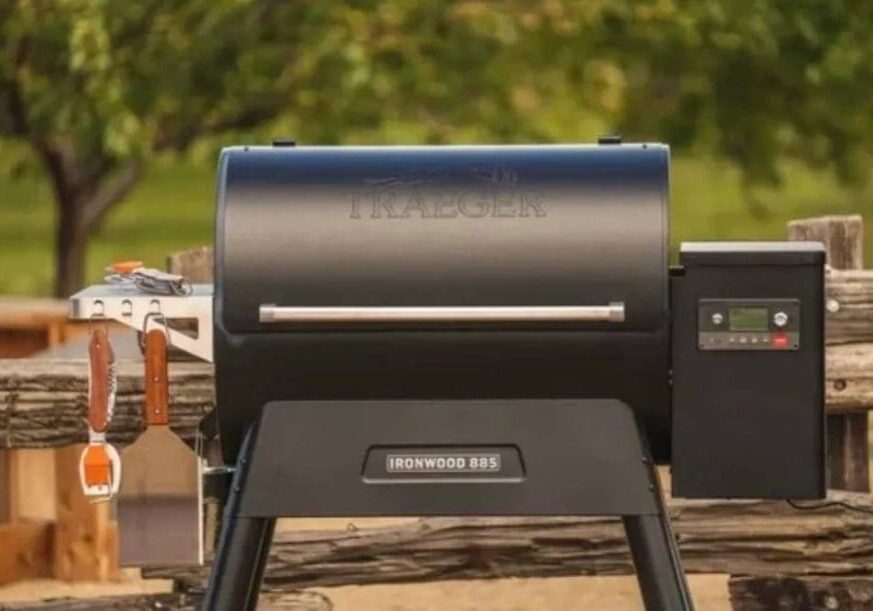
x=754 y=80
x=97 y=87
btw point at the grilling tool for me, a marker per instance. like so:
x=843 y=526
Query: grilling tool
x=159 y=509
x=147 y=279
x=99 y=464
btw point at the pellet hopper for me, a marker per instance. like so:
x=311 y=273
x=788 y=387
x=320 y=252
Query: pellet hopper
x=493 y=330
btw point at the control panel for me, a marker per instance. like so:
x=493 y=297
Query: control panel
x=748 y=324
x=748 y=370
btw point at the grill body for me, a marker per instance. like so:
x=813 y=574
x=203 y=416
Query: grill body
x=410 y=228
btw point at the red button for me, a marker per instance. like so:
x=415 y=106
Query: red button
x=780 y=340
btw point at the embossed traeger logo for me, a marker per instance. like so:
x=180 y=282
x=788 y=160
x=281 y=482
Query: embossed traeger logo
x=495 y=193
x=442 y=463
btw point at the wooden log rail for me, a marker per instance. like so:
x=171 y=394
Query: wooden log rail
x=815 y=593
x=43 y=402
x=760 y=538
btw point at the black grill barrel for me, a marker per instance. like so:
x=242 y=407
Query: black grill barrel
x=442 y=272
x=443 y=226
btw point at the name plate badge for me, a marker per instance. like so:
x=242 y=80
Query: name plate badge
x=432 y=465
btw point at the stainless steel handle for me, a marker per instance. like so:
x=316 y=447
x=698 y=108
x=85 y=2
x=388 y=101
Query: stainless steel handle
x=271 y=313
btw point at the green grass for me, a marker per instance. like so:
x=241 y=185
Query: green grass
x=172 y=209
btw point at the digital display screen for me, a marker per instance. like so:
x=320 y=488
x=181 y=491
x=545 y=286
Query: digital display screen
x=748 y=319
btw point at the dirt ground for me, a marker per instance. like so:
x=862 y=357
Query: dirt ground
x=559 y=593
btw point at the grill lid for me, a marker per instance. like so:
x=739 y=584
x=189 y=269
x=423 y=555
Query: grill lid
x=530 y=236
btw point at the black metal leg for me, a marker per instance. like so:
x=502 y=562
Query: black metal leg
x=235 y=580
x=653 y=548
x=263 y=555
x=656 y=559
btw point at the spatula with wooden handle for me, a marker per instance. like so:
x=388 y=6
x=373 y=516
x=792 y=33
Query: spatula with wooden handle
x=159 y=509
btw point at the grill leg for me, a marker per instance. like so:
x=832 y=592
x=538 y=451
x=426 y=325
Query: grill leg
x=235 y=579
x=656 y=558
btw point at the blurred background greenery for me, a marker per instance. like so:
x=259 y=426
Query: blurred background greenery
x=112 y=113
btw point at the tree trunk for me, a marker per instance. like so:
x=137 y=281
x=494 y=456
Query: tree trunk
x=83 y=195
x=71 y=239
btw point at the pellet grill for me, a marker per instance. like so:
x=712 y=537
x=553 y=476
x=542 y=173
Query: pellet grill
x=496 y=330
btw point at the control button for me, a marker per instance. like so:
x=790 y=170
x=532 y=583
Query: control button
x=717 y=318
x=780 y=319
x=780 y=340
x=754 y=339
x=744 y=339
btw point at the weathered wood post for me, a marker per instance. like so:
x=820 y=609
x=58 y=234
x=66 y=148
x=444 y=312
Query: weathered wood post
x=195 y=264
x=27 y=476
x=85 y=542
x=848 y=456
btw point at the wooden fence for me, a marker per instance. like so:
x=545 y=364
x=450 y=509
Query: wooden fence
x=776 y=554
